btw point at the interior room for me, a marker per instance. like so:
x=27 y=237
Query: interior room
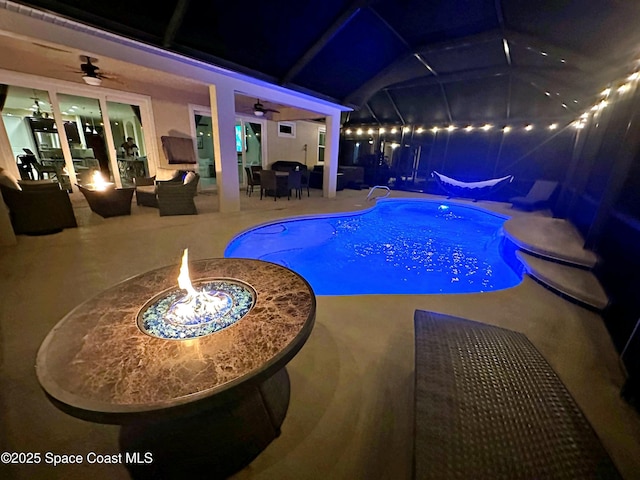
x=129 y=134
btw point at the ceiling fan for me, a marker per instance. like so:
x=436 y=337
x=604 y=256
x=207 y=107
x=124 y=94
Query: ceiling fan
x=91 y=75
x=259 y=110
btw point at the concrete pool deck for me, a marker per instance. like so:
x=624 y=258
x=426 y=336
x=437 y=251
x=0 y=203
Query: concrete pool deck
x=351 y=407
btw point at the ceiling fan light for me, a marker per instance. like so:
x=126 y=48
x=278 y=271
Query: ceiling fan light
x=258 y=113
x=94 y=81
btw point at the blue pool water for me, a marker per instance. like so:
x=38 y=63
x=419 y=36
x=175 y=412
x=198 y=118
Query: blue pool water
x=399 y=246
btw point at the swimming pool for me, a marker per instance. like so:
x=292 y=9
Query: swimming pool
x=408 y=246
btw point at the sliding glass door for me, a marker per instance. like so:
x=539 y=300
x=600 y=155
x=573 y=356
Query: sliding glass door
x=250 y=145
x=202 y=129
x=28 y=118
x=128 y=138
x=84 y=130
x=68 y=133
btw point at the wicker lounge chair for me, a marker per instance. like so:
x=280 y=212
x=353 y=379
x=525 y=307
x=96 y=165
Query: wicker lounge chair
x=170 y=197
x=40 y=208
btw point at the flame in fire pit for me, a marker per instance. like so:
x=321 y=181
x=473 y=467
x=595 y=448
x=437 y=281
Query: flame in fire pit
x=197 y=307
x=184 y=279
x=192 y=311
x=98 y=183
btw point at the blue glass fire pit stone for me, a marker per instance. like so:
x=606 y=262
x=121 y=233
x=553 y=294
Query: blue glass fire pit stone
x=155 y=317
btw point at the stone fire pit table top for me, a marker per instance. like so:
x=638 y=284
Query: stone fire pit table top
x=97 y=360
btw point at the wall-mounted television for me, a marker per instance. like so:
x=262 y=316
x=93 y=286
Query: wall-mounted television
x=239 y=137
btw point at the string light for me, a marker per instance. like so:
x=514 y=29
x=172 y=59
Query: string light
x=624 y=88
x=606 y=99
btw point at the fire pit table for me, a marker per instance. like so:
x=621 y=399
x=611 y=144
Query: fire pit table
x=193 y=397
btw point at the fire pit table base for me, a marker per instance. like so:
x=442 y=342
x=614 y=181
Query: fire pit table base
x=213 y=442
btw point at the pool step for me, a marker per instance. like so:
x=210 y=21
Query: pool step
x=574 y=282
x=554 y=238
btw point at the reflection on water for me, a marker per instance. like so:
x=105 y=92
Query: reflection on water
x=400 y=246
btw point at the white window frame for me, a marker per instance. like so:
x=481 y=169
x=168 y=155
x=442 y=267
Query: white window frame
x=321 y=147
x=289 y=125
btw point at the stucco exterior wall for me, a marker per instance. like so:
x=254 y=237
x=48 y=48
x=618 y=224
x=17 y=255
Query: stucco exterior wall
x=293 y=149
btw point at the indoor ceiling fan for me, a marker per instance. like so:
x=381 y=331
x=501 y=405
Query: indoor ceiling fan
x=259 y=109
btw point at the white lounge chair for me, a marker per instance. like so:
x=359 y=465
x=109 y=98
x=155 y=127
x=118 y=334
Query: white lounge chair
x=538 y=196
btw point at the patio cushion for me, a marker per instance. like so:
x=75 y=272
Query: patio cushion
x=8 y=180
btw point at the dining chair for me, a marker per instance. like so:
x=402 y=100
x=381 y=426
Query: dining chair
x=294 y=182
x=268 y=183
x=304 y=180
x=252 y=180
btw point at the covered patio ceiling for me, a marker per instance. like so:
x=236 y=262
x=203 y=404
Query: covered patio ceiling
x=400 y=62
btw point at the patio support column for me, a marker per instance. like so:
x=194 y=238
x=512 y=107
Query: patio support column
x=329 y=180
x=7 y=161
x=224 y=146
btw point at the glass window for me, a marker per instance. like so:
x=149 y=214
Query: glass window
x=322 y=137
